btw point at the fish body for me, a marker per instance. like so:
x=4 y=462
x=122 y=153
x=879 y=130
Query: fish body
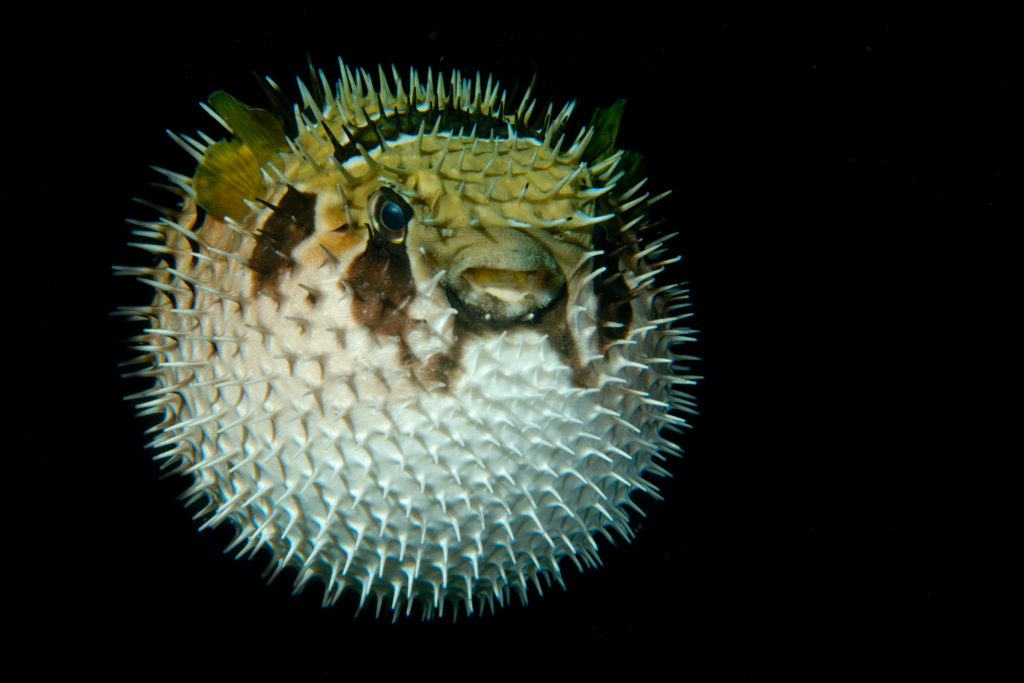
x=411 y=339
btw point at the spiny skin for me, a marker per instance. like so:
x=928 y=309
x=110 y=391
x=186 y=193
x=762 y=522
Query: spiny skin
x=410 y=344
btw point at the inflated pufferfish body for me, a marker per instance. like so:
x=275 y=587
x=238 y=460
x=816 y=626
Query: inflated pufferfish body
x=409 y=343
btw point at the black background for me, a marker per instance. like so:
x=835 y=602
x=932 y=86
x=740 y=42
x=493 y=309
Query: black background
x=804 y=530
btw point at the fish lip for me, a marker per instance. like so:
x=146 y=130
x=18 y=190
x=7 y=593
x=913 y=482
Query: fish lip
x=506 y=285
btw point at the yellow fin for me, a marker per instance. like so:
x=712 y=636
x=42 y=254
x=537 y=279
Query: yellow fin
x=230 y=169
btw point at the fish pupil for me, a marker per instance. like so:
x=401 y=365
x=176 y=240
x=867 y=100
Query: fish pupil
x=392 y=217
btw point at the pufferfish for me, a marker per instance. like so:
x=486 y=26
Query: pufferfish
x=408 y=337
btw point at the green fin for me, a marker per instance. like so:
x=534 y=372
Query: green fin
x=230 y=169
x=605 y=124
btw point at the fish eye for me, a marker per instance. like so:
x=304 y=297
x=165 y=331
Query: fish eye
x=389 y=215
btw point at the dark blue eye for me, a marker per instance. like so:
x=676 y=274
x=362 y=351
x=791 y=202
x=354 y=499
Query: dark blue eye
x=389 y=215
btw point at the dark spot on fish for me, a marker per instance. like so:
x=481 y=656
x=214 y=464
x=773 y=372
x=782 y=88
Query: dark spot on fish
x=384 y=125
x=291 y=222
x=382 y=287
x=441 y=367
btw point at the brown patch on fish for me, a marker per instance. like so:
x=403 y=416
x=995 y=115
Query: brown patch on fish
x=443 y=367
x=382 y=287
x=291 y=222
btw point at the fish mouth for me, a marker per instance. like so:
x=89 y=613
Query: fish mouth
x=510 y=286
x=507 y=291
